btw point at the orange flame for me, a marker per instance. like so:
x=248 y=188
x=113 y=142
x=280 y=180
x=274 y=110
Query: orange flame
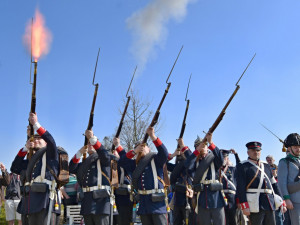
x=40 y=35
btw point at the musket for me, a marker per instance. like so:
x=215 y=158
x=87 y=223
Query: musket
x=283 y=147
x=114 y=165
x=156 y=115
x=91 y=119
x=186 y=110
x=124 y=112
x=221 y=115
x=33 y=97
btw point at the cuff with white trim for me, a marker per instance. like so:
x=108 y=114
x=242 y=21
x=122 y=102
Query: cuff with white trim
x=93 y=140
x=245 y=205
x=76 y=158
x=78 y=154
x=39 y=129
x=97 y=145
x=22 y=152
x=130 y=154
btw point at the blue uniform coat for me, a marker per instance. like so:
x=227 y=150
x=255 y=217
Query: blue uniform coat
x=35 y=201
x=89 y=205
x=146 y=181
x=208 y=199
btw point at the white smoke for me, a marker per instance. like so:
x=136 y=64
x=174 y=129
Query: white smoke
x=148 y=26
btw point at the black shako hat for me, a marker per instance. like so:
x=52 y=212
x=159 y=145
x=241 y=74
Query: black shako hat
x=225 y=152
x=254 y=145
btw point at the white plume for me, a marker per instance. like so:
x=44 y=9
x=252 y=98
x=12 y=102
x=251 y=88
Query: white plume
x=148 y=26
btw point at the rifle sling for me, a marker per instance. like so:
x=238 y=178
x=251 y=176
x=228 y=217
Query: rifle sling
x=252 y=179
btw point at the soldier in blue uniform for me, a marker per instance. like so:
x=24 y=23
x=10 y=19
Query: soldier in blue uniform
x=204 y=166
x=228 y=175
x=181 y=183
x=93 y=175
x=147 y=178
x=39 y=180
x=256 y=187
x=124 y=201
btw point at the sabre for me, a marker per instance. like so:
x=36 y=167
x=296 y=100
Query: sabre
x=283 y=147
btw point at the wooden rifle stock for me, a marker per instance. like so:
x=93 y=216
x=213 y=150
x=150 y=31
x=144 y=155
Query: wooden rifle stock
x=156 y=115
x=223 y=112
x=32 y=108
x=184 y=119
x=91 y=120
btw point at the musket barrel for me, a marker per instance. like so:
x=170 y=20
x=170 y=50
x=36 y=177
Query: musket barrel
x=32 y=107
x=125 y=110
x=156 y=115
x=221 y=115
x=91 y=119
x=184 y=119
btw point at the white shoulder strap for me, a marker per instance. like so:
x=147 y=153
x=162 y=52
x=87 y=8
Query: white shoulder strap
x=229 y=181
x=154 y=174
x=99 y=175
x=213 y=172
x=263 y=174
x=122 y=175
x=43 y=170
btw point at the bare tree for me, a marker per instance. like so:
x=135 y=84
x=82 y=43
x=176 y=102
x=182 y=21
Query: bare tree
x=136 y=121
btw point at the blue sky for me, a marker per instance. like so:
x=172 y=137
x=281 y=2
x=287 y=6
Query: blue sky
x=219 y=38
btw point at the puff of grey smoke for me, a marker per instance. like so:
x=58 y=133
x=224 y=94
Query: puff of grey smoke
x=149 y=26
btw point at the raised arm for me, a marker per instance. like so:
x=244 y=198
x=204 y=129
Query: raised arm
x=52 y=152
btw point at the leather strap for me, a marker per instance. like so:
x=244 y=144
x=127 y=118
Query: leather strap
x=252 y=179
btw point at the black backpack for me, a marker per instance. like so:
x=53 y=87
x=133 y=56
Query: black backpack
x=63 y=170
